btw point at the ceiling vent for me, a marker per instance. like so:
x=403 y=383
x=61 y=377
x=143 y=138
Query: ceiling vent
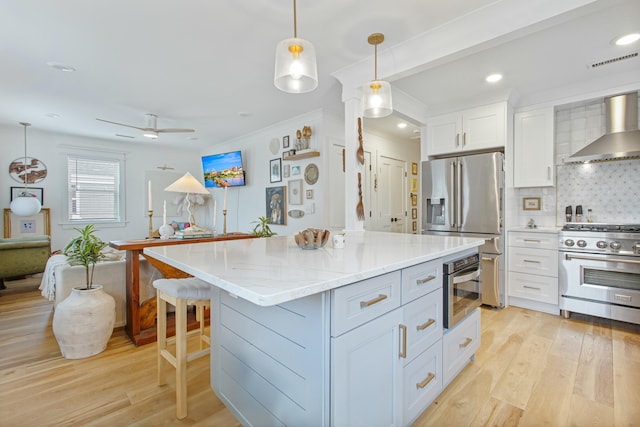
x=614 y=60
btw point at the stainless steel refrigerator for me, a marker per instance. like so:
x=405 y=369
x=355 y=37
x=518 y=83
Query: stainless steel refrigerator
x=463 y=196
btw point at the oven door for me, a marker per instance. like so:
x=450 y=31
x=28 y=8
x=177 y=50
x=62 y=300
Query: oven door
x=613 y=279
x=462 y=294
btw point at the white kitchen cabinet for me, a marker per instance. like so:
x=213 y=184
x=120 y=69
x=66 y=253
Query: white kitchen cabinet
x=533 y=156
x=459 y=345
x=533 y=271
x=473 y=129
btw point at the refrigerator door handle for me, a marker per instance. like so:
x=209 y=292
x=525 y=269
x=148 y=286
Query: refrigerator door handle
x=453 y=202
x=459 y=201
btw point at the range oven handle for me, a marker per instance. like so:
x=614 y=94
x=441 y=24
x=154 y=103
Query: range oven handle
x=465 y=278
x=569 y=257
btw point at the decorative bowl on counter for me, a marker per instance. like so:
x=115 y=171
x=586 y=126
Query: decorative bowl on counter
x=312 y=238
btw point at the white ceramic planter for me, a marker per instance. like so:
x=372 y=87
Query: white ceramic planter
x=83 y=322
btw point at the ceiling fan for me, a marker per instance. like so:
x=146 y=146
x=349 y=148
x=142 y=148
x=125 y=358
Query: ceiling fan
x=151 y=130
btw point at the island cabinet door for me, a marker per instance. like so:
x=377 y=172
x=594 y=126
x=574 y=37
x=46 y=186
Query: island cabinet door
x=366 y=374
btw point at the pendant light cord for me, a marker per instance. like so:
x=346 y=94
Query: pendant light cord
x=375 y=59
x=295 y=23
x=26 y=175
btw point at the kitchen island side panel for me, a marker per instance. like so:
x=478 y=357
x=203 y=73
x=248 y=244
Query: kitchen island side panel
x=270 y=364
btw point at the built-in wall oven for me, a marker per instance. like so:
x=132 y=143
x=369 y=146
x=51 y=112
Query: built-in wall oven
x=599 y=271
x=462 y=288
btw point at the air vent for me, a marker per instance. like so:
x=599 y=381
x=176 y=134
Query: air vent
x=614 y=60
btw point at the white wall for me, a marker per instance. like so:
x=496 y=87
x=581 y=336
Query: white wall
x=246 y=204
x=140 y=157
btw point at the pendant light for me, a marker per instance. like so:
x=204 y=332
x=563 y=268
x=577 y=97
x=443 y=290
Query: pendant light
x=376 y=101
x=25 y=204
x=296 y=70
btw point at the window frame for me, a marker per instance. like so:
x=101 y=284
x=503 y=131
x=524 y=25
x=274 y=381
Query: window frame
x=94 y=155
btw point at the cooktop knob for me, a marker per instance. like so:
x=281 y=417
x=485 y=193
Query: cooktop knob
x=582 y=243
x=615 y=245
x=569 y=242
x=602 y=244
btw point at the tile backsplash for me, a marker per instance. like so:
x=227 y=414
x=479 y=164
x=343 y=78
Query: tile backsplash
x=610 y=189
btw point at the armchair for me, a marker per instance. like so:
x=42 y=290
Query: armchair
x=21 y=256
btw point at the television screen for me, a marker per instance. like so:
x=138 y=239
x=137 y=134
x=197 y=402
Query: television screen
x=223 y=170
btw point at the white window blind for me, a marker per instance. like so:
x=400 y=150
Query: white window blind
x=93 y=189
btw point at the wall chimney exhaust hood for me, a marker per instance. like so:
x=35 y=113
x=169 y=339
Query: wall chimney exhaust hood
x=622 y=138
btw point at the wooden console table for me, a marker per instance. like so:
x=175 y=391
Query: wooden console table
x=139 y=334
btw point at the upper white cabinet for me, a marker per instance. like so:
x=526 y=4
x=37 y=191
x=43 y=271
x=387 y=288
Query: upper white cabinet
x=473 y=129
x=533 y=148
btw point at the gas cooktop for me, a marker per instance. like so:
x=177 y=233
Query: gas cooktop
x=601 y=227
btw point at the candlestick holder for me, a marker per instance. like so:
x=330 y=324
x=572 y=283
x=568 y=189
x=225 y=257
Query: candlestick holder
x=224 y=223
x=150 y=213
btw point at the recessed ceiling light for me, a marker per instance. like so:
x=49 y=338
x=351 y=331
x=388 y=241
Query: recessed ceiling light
x=402 y=125
x=627 y=39
x=492 y=78
x=61 y=67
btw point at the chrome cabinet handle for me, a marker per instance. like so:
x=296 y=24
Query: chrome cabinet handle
x=533 y=261
x=464 y=138
x=531 y=287
x=424 y=382
x=425 y=280
x=457 y=139
x=426 y=325
x=466 y=343
x=548 y=172
x=403 y=337
x=369 y=303
x=531 y=240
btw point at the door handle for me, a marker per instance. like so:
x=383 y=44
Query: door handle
x=426 y=381
x=453 y=199
x=403 y=337
x=460 y=195
x=466 y=343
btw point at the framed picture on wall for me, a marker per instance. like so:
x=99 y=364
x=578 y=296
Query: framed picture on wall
x=414 y=199
x=531 y=203
x=414 y=168
x=285 y=141
x=23 y=226
x=414 y=213
x=276 y=205
x=275 y=168
x=295 y=192
x=36 y=192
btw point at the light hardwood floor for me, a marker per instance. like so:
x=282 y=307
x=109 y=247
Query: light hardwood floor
x=532 y=369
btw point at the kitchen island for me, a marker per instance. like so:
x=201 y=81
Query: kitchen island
x=328 y=336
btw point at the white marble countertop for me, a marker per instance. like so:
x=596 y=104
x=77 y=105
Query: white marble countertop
x=270 y=271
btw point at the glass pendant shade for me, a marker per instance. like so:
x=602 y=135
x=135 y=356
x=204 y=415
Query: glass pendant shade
x=25 y=206
x=376 y=100
x=296 y=70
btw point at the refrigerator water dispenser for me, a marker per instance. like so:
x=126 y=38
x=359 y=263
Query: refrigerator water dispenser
x=435 y=211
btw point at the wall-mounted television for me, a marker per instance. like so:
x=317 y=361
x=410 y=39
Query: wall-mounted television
x=223 y=170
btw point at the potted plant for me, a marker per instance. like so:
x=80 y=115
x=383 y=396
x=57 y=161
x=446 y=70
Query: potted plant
x=83 y=322
x=262 y=228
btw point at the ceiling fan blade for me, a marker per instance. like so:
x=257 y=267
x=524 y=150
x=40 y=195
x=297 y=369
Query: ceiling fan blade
x=174 y=130
x=120 y=124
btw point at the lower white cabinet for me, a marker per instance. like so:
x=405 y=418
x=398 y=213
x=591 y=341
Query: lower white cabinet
x=459 y=345
x=366 y=374
x=533 y=270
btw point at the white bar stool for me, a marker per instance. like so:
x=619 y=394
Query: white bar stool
x=180 y=293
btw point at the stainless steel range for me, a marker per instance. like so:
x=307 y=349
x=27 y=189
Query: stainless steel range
x=599 y=270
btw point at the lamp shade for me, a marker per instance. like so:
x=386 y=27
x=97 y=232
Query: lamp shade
x=376 y=101
x=187 y=184
x=25 y=206
x=296 y=70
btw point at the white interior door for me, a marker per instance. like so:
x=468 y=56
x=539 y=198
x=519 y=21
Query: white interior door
x=392 y=195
